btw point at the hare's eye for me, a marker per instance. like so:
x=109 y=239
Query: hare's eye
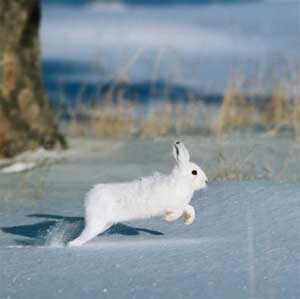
x=194 y=172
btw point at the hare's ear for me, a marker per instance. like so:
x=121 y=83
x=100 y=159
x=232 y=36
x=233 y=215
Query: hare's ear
x=180 y=152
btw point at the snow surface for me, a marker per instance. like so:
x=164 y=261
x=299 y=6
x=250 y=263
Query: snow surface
x=18 y=167
x=244 y=242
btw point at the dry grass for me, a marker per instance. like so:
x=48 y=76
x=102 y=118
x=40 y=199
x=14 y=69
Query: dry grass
x=9 y=73
x=247 y=157
x=158 y=121
x=295 y=116
x=236 y=111
x=112 y=118
x=283 y=110
x=4 y=128
x=118 y=118
x=279 y=113
x=105 y=119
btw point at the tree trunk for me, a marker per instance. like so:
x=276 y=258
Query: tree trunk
x=26 y=121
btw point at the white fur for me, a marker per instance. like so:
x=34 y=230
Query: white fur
x=158 y=195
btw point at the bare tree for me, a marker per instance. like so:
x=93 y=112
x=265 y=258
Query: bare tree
x=26 y=121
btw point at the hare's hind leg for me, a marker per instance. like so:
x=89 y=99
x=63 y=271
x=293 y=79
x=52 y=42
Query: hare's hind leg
x=89 y=232
x=173 y=215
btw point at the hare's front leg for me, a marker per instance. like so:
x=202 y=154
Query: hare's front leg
x=189 y=214
x=173 y=215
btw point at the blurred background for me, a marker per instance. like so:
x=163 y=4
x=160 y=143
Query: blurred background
x=167 y=67
x=224 y=74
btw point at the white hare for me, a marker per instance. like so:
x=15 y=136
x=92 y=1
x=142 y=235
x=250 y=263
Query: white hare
x=158 y=195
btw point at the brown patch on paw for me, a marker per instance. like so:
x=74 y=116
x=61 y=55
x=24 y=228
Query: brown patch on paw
x=168 y=215
x=187 y=218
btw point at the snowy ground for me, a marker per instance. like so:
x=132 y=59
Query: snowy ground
x=244 y=242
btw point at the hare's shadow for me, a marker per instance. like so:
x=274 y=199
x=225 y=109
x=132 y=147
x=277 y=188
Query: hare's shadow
x=38 y=233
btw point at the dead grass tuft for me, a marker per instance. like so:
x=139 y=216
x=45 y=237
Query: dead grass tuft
x=110 y=119
x=117 y=119
x=158 y=121
x=236 y=111
x=187 y=116
x=105 y=119
x=279 y=113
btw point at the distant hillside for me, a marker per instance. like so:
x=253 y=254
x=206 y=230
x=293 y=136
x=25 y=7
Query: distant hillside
x=148 y=2
x=185 y=1
x=164 y=2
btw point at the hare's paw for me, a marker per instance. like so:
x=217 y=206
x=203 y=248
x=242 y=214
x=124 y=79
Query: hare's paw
x=172 y=215
x=188 y=218
x=189 y=215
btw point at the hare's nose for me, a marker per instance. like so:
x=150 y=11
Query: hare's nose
x=206 y=182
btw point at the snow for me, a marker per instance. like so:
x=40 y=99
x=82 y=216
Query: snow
x=18 y=167
x=244 y=242
x=31 y=159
